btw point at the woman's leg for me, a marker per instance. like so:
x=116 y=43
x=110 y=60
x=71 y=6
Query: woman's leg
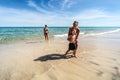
x=47 y=37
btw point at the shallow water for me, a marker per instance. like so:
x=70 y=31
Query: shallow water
x=12 y=34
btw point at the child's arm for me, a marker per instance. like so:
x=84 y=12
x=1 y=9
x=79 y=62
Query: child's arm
x=69 y=38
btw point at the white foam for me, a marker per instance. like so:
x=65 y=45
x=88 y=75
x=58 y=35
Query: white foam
x=8 y=33
x=64 y=35
x=89 y=34
x=102 y=33
x=82 y=33
x=60 y=35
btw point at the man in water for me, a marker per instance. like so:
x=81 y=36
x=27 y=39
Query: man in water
x=77 y=31
x=46 y=32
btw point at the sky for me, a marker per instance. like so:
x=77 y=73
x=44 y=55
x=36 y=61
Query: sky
x=59 y=12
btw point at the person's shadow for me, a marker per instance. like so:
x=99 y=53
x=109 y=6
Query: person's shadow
x=52 y=57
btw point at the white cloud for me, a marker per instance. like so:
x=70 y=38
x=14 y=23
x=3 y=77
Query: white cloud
x=38 y=8
x=10 y=16
x=92 y=17
x=50 y=5
x=97 y=17
x=67 y=4
x=92 y=14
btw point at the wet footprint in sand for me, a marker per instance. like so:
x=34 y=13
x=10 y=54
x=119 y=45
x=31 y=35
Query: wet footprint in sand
x=99 y=73
x=116 y=75
x=94 y=63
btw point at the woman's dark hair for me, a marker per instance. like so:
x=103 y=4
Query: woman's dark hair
x=45 y=25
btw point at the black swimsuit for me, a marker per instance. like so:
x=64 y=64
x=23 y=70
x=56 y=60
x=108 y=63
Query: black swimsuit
x=72 y=46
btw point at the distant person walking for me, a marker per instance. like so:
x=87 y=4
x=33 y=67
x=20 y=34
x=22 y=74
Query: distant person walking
x=46 y=32
x=73 y=34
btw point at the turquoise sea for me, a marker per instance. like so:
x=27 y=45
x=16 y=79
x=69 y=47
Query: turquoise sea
x=12 y=34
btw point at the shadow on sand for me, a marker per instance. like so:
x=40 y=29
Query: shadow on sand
x=52 y=57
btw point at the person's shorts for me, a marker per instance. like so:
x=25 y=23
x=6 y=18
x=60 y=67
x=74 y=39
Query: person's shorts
x=72 y=46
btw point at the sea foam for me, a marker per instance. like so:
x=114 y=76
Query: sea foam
x=90 y=33
x=102 y=33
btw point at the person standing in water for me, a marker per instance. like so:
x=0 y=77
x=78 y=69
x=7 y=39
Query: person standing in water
x=46 y=32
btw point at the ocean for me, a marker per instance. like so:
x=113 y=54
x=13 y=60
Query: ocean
x=13 y=34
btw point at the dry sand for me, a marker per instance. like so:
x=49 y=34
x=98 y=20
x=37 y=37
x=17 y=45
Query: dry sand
x=97 y=59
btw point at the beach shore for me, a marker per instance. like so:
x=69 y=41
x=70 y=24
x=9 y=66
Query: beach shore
x=98 y=58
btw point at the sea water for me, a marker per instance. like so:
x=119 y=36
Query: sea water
x=12 y=34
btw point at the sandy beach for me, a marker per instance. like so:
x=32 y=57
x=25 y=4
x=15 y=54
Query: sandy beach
x=36 y=37
x=98 y=58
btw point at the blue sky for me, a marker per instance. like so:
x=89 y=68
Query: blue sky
x=59 y=12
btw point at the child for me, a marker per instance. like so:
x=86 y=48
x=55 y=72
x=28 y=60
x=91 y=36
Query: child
x=72 y=43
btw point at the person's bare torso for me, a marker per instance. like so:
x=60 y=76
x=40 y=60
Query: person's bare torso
x=72 y=38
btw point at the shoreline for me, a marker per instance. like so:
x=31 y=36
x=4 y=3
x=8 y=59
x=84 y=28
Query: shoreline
x=16 y=34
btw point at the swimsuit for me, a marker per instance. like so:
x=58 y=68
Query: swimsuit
x=45 y=31
x=72 y=46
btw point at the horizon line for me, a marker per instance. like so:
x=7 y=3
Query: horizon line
x=58 y=26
